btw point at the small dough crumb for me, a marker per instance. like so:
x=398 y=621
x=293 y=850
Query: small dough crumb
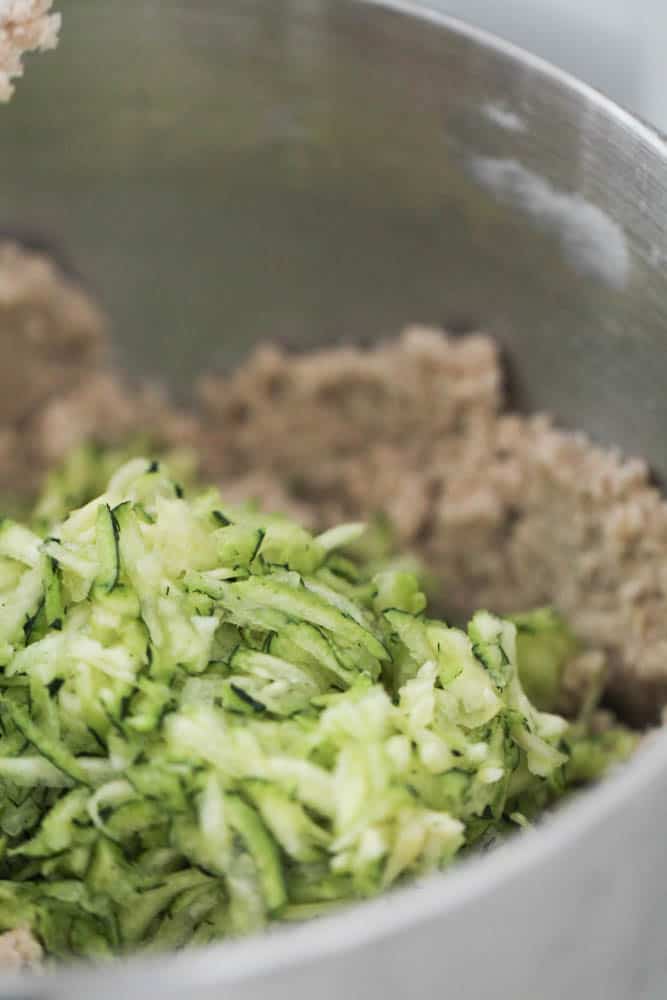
x=19 y=950
x=25 y=26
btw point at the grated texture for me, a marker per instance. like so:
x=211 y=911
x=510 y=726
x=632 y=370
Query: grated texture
x=507 y=511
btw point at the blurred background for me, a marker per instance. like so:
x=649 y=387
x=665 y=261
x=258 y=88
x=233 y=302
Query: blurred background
x=617 y=46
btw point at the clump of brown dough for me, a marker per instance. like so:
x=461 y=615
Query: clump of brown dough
x=25 y=26
x=507 y=511
x=19 y=949
x=60 y=388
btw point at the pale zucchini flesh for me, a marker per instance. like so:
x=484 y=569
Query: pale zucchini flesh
x=211 y=719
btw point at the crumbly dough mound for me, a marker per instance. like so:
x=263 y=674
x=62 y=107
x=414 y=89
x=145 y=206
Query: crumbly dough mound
x=59 y=389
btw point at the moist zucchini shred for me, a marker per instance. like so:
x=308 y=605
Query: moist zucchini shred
x=211 y=719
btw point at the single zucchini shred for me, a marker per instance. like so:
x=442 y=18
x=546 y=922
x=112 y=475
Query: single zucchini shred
x=211 y=719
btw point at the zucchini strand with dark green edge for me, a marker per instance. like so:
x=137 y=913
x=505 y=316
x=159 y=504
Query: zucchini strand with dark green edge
x=211 y=719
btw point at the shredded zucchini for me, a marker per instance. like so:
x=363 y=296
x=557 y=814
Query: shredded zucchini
x=211 y=719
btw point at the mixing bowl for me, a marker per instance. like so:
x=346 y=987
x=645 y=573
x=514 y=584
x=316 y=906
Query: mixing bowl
x=320 y=170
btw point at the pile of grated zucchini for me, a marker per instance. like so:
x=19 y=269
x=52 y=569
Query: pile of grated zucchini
x=211 y=719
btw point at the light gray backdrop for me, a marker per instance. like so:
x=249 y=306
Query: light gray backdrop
x=619 y=46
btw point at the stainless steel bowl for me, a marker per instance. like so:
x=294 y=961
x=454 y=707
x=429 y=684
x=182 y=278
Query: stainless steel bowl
x=318 y=170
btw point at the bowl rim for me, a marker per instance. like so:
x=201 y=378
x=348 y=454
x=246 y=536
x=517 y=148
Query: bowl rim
x=359 y=924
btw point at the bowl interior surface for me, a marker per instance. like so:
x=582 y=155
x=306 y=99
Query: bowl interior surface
x=325 y=170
